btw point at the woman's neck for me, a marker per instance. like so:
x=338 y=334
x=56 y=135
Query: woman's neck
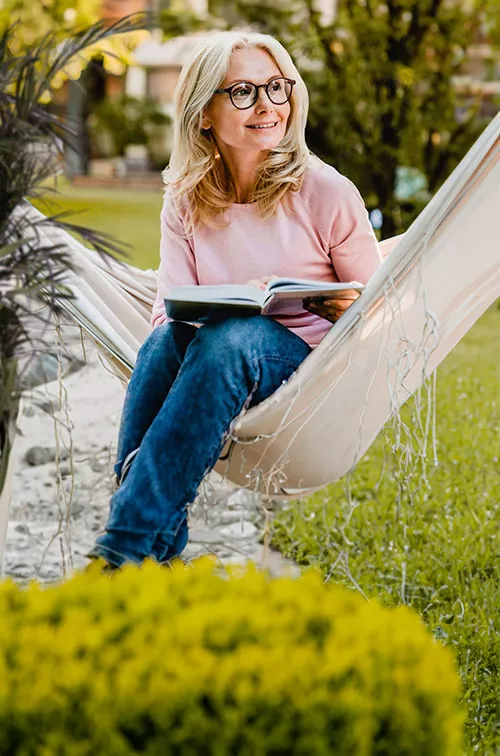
x=243 y=171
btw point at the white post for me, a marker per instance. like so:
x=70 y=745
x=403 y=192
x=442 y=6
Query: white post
x=4 y=512
x=327 y=9
x=135 y=82
x=199 y=7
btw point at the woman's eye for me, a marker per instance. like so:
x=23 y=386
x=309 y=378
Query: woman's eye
x=276 y=86
x=242 y=91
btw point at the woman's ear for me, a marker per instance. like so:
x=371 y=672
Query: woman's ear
x=205 y=121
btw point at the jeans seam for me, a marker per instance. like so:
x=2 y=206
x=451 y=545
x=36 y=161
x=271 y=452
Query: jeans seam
x=278 y=358
x=173 y=532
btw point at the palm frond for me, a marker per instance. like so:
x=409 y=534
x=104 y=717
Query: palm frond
x=91 y=36
x=32 y=137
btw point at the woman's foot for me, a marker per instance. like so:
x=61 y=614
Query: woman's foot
x=99 y=564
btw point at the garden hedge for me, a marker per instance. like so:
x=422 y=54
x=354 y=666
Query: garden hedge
x=195 y=660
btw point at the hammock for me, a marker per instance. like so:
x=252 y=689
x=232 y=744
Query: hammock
x=439 y=277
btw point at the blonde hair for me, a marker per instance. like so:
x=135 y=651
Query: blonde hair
x=196 y=176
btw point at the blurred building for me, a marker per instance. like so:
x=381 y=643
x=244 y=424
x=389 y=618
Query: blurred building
x=114 y=9
x=479 y=76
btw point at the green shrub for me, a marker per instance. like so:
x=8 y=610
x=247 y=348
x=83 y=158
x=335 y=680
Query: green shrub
x=192 y=661
x=125 y=119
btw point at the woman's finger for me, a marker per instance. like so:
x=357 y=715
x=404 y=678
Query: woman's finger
x=341 y=303
x=331 y=315
x=261 y=283
x=328 y=305
x=338 y=304
x=258 y=282
x=351 y=294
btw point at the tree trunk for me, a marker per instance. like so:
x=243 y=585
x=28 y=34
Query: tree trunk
x=384 y=185
x=4 y=509
x=390 y=227
x=7 y=435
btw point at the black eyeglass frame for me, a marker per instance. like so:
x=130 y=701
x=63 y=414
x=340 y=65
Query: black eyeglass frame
x=228 y=91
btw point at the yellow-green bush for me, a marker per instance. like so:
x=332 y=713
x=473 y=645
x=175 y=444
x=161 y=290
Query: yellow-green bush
x=190 y=661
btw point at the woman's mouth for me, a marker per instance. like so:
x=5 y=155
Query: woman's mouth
x=262 y=126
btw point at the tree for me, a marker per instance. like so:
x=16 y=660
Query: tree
x=33 y=20
x=36 y=19
x=380 y=84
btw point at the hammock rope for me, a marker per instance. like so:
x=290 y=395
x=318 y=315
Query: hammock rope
x=415 y=308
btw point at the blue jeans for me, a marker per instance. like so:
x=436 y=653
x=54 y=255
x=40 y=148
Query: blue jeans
x=187 y=386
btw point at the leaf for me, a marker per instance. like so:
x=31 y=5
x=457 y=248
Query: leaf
x=9 y=248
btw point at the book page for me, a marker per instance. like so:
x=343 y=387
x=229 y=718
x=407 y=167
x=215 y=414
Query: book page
x=222 y=293
x=288 y=300
x=304 y=284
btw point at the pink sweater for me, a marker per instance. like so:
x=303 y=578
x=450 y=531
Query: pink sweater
x=327 y=238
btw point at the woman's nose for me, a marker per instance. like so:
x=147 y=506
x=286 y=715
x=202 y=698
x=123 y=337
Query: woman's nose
x=263 y=102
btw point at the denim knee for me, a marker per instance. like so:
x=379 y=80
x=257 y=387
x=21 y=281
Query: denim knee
x=166 y=336
x=238 y=333
x=252 y=339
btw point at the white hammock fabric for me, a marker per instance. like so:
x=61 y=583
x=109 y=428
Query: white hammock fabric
x=438 y=279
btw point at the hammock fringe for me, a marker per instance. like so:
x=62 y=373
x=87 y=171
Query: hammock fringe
x=436 y=280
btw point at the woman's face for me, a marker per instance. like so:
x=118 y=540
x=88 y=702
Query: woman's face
x=235 y=128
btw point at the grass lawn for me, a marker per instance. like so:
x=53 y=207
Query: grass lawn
x=441 y=553
x=133 y=217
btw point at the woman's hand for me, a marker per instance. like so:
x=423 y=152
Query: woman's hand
x=331 y=308
x=260 y=283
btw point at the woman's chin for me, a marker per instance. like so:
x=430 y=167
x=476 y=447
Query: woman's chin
x=268 y=138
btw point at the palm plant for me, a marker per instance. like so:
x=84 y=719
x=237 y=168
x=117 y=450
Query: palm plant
x=32 y=139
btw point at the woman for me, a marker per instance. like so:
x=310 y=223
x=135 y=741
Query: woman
x=245 y=201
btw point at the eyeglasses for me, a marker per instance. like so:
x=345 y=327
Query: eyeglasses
x=244 y=94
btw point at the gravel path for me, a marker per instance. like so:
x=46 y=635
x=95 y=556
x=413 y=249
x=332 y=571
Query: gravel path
x=57 y=509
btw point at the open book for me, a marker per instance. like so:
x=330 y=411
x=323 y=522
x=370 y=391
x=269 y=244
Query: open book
x=282 y=296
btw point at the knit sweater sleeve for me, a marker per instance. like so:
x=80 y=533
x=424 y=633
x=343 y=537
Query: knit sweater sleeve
x=177 y=259
x=353 y=246
x=338 y=212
